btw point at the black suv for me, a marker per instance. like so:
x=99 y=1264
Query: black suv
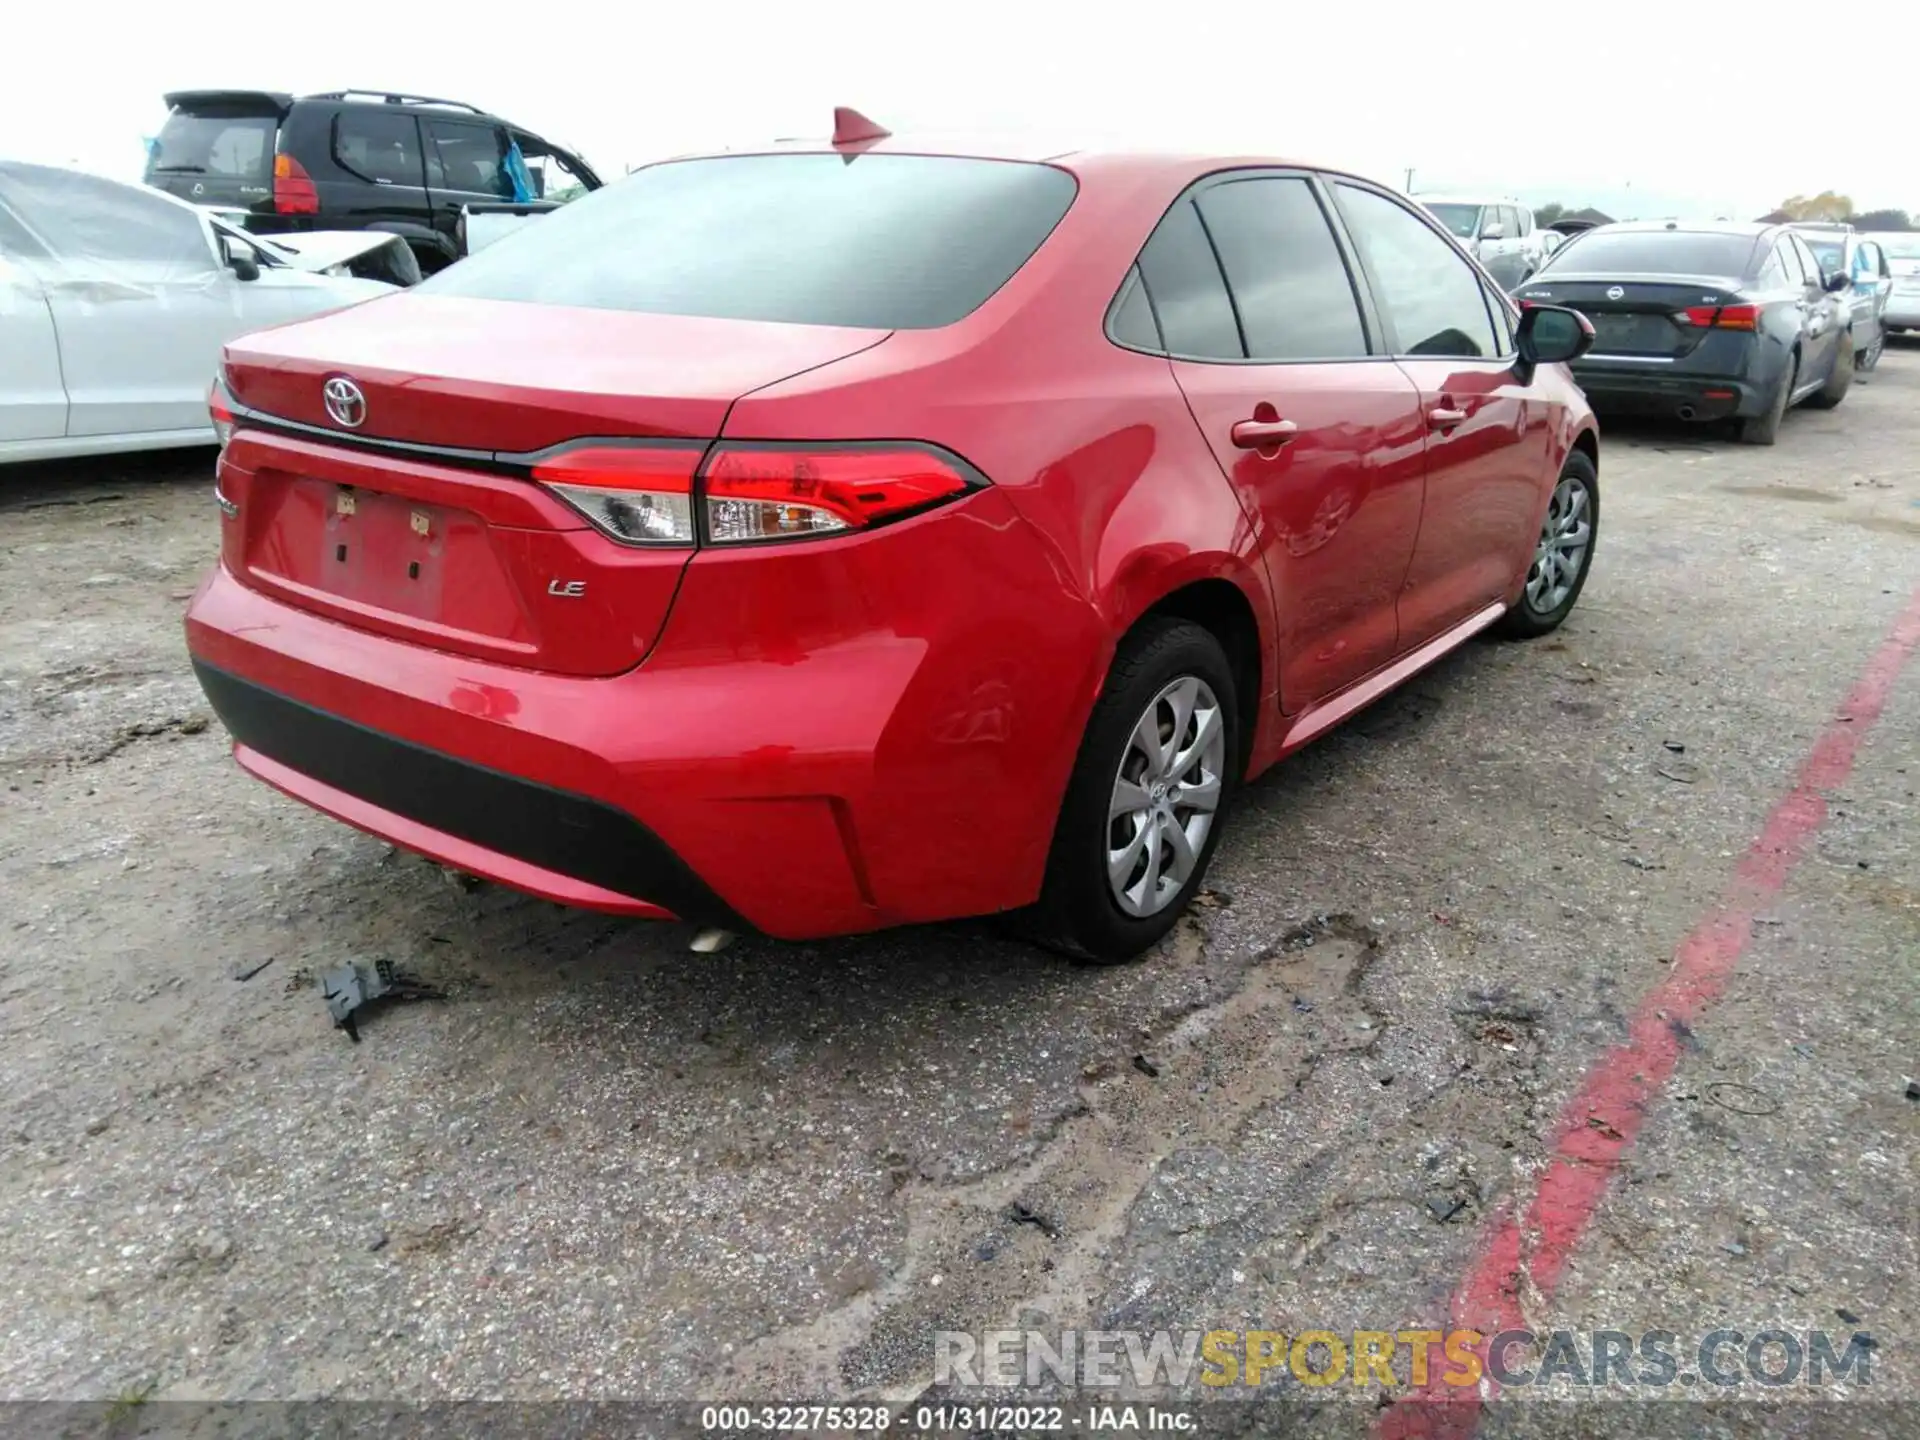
x=354 y=160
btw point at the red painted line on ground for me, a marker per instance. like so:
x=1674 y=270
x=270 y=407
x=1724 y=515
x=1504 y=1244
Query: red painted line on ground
x=1601 y=1120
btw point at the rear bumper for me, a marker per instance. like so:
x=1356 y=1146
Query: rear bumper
x=563 y=846
x=791 y=758
x=1626 y=389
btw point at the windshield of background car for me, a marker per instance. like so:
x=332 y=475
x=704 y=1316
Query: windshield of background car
x=1900 y=247
x=888 y=242
x=1462 y=220
x=225 y=147
x=1654 y=252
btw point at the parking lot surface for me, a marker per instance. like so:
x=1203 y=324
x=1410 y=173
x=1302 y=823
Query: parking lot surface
x=600 y=1166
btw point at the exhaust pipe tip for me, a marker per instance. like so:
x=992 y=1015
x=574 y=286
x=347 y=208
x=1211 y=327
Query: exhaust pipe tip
x=711 y=941
x=1686 y=412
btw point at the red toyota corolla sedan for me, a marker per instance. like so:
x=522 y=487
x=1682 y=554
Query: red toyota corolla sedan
x=861 y=533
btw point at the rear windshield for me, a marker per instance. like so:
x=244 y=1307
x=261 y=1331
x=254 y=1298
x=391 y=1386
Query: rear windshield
x=1462 y=220
x=890 y=242
x=1656 y=252
x=225 y=147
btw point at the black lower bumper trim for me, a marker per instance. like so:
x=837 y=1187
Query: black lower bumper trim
x=557 y=830
x=1629 y=392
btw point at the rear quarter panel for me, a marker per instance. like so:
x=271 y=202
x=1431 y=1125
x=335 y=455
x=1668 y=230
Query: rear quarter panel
x=1092 y=446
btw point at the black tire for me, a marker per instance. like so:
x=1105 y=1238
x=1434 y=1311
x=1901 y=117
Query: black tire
x=1077 y=913
x=1523 y=621
x=1839 y=382
x=1765 y=429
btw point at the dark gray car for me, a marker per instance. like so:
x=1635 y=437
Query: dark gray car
x=1703 y=321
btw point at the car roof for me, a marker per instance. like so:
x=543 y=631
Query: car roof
x=1071 y=153
x=1467 y=200
x=1689 y=227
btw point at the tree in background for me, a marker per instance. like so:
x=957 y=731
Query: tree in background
x=1547 y=214
x=1824 y=206
x=1883 y=220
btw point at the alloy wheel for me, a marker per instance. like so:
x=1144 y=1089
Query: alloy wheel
x=1562 y=550
x=1165 y=796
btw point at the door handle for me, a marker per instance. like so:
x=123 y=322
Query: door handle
x=1263 y=434
x=1443 y=418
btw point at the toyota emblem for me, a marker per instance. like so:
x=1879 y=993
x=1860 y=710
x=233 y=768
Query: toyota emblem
x=1613 y=293
x=345 y=402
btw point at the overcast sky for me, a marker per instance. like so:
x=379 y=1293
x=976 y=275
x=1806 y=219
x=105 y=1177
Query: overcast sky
x=1580 y=103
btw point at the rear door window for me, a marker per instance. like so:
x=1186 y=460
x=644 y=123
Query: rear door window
x=1809 y=262
x=1790 y=262
x=465 y=156
x=1189 y=294
x=1284 y=270
x=1431 y=295
x=378 y=146
x=889 y=242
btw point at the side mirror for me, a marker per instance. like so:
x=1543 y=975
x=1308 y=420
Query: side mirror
x=1836 y=282
x=240 y=260
x=1495 y=231
x=1552 y=334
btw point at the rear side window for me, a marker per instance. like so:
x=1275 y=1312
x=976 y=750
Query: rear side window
x=463 y=156
x=221 y=147
x=1189 y=294
x=377 y=146
x=1658 y=252
x=1133 y=322
x=1431 y=294
x=1284 y=271
x=890 y=242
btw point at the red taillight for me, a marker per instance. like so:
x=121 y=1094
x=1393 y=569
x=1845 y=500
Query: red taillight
x=1722 y=317
x=779 y=493
x=293 y=189
x=639 y=494
x=647 y=494
x=221 y=409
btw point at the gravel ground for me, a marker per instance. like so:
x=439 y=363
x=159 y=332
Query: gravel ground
x=604 y=1168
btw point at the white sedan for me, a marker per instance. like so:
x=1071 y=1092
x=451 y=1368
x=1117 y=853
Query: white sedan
x=114 y=303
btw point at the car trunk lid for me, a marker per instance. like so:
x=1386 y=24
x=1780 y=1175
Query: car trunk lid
x=1638 y=314
x=423 y=521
